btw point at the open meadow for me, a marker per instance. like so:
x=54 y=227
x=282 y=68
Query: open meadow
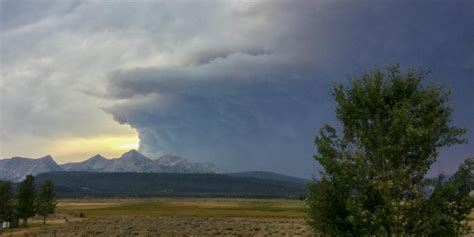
x=172 y=217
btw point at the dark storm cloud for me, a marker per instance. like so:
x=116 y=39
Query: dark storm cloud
x=241 y=112
x=244 y=84
x=260 y=111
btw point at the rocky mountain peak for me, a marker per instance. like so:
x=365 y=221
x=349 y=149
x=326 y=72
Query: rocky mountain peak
x=98 y=157
x=47 y=158
x=134 y=154
x=16 y=168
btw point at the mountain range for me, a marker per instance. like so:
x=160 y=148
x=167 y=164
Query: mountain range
x=15 y=169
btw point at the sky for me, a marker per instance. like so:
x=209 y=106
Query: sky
x=242 y=84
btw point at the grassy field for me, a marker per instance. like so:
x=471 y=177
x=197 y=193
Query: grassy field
x=184 y=207
x=173 y=217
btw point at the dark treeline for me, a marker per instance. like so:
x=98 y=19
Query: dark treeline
x=24 y=201
x=111 y=185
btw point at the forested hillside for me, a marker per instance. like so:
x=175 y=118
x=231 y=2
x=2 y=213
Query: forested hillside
x=108 y=185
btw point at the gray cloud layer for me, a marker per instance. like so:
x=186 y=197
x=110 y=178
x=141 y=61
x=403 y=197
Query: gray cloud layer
x=244 y=84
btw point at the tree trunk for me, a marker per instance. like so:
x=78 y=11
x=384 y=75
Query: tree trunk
x=44 y=219
x=25 y=221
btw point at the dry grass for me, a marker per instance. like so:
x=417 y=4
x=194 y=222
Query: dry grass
x=179 y=226
x=186 y=207
x=174 y=217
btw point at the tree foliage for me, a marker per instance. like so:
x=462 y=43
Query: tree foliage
x=7 y=201
x=446 y=211
x=26 y=199
x=45 y=202
x=373 y=179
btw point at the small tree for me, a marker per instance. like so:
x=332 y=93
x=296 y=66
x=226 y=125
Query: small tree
x=26 y=199
x=46 y=200
x=373 y=178
x=7 y=203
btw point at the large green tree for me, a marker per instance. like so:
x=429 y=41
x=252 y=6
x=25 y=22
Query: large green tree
x=7 y=202
x=373 y=179
x=26 y=199
x=46 y=200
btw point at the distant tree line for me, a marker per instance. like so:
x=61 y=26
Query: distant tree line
x=26 y=202
x=125 y=185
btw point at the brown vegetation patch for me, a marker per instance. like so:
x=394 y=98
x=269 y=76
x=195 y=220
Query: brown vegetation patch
x=177 y=226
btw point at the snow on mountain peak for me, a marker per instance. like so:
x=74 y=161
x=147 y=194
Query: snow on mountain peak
x=170 y=159
x=16 y=168
x=134 y=154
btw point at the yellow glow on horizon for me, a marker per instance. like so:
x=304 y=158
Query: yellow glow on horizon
x=79 y=149
x=128 y=146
